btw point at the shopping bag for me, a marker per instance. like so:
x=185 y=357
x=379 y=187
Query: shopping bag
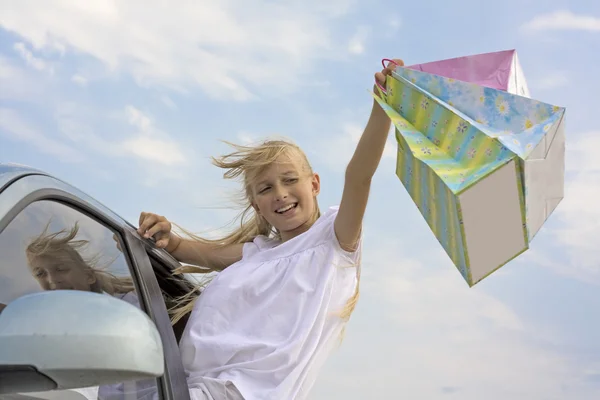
x=465 y=182
x=498 y=70
x=533 y=130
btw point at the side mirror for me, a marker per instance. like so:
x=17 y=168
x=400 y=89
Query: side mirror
x=68 y=339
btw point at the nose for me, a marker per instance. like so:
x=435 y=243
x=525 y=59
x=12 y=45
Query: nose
x=54 y=280
x=280 y=193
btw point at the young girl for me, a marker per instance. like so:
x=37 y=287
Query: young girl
x=289 y=275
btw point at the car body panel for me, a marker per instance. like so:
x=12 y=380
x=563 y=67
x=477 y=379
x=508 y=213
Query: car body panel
x=21 y=185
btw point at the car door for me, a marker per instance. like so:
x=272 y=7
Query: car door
x=53 y=237
x=173 y=287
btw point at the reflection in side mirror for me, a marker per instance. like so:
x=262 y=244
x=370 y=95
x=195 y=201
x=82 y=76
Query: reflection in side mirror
x=72 y=339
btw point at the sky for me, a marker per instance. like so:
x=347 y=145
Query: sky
x=129 y=100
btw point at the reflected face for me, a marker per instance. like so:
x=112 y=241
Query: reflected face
x=61 y=273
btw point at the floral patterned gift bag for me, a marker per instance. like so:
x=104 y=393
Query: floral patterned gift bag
x=467 y=174
x=531 y=129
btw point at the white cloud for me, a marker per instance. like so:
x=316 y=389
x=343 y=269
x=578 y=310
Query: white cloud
x=356 y=45
x=336 y=151
x=251 y=138
x=581 y=153
x=247 y=138
x=579 y=213
x=138 y=119
x=422 y=296
x=7 y=70
x=425 y=328
x=167 y=101
x=18 y=83
x=16 y=128
x=147 y=143
x=154 y=150
x=552 y=80
x=229 y=49
x=30 y=59
x=395 y=23
x=150 y=143
x=79 y=80
x=563 y=20
x=391 y=147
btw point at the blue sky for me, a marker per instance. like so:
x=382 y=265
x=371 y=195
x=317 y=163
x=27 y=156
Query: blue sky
x=128 y=104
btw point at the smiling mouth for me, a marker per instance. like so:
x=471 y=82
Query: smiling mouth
x=287 y=208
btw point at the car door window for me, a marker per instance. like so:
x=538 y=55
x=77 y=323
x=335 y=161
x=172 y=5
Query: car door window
x=51 y=246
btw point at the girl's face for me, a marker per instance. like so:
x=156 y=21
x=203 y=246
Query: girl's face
x=61 y=273
x=284 y=194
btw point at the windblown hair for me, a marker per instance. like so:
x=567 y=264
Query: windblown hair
x=247 y=163
x=64 y=246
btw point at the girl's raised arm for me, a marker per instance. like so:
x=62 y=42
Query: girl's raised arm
x=360 y=171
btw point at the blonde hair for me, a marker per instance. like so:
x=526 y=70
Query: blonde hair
x=62 y=245
x=247 y=163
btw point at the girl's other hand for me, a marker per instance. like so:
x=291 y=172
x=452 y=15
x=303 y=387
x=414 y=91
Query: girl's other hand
x=158 y=227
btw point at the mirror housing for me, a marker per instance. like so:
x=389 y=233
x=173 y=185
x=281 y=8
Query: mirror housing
x=68 y=339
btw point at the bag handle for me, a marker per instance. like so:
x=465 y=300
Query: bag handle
x=383 y=62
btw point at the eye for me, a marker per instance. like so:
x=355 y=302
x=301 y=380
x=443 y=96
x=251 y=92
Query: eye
x=263 y=190
x=39 y=273
x=291 y=180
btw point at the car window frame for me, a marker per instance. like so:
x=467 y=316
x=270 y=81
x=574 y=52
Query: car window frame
x=174 y=371
x=33 y=188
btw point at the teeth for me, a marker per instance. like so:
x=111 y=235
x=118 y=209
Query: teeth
x=284 y=209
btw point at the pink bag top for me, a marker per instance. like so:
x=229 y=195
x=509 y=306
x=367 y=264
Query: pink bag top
x=499 y=70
